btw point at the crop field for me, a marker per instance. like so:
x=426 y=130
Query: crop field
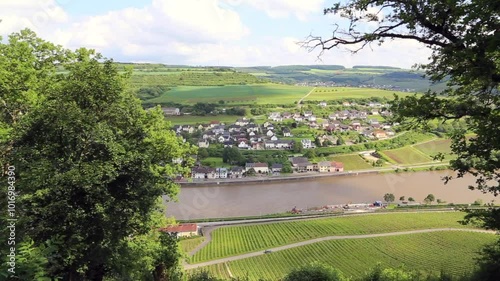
x=187 y=245
x=191 y=119
x=407 y=155
x=351 y=162
x=234 y=94
x=335 y=93
x=234 y=240
x=434 y=147
x=450 y=251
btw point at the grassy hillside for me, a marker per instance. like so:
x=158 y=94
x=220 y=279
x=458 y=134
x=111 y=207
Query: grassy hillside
x=450 y=251
x=336 y=93
x=230 y=241
x=407 y=155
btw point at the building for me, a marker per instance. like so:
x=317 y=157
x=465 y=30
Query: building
x=182 y=230
x=220 y=173
x=306 y=143
x=171 y=111
x=203 y=143
x=276 y=168
x=324 y=167
x=203 y=173
x=236 y=173
x=337 y=166
x=260 y=168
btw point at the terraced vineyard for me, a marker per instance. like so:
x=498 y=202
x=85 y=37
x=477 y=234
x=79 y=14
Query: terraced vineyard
x=234 y=240
x=451 y=251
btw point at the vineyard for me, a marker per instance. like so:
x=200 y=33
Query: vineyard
x=450 y=251
x=187 y=245
x=336 y=93
x=231 y=241
x=434 y=147
x=407 y=155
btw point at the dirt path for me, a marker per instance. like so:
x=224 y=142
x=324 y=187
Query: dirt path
x=299 y=104
x=254 y=254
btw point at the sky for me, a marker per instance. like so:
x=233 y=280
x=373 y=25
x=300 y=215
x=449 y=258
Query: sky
x=198 y=32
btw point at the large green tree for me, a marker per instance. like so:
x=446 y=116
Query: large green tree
x=91 y=162
x=464 y=39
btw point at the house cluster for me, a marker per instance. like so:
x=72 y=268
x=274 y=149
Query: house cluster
x=299 y=165
x=242 y=134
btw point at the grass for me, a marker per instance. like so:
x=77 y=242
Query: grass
x=336 y=93
x=191 y=119
x=450 y=251
x=214 y=162
x=234 y=94
x=235 y=240
x=407 y=155
x=434 y=147
x=187 y=245
x=351 y=162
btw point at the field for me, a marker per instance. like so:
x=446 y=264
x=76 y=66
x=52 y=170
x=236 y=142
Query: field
x=187 y=245
x=434 y=147
x=230 y=241
x=191 y=119
x=450 y=251
x=335 y=93
x=407 y=155
x=351 y=162
x=234 y=94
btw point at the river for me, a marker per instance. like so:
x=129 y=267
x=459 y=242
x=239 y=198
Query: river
x=265 y=198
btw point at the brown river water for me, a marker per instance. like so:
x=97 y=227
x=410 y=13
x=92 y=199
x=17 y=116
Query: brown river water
x=217 y=201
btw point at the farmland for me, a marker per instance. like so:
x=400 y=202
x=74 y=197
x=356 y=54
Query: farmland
x=351 y=162
x=434 y=147
x=230 y=241
x=191 y=119
x=336 y=93
x=407 y=155
x=450 y=251
x=233 y=94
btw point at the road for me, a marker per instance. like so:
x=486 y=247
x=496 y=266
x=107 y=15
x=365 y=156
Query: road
x=299 y=104
x=303 y=243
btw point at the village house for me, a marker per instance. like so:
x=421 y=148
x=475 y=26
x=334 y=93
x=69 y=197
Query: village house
x=260 y=168
x=284 y=144
x=306 y=143
x=323 y=104
x=286 y=115
x=270 y=144
x=243 y=144
x=337 y=166
x=203 y=143
x=270 y=133
x=228 y=143
x=252 y=128
x=286 y=132
x=220 y=173
x=276 y=168
x=379 y=134
x=307 y=113
x=203 y=173
x=182 y=230
x=324 y=166
x=171 y=111
x=236 y=172
x=274 y=138
x=242 y=122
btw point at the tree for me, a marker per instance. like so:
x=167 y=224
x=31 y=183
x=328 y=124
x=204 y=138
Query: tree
x=340 y=140
x=94 y=163
x=297 y=147
x=314 y=272
x=411 y=199
x=232 y=155
x=287 y=168
x=402 y=198
x=430 y=198
x=389 y=197
x=317 y=141
x=202 y=153
x=310 y=153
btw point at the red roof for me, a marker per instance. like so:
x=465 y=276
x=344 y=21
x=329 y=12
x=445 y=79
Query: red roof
x=188 y=227
x=337 y=164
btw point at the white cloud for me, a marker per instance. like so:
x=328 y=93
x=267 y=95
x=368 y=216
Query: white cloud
x=300 y=9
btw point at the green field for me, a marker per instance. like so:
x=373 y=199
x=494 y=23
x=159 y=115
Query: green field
x=234 y=240
x=192 y=119
x=434 y=147
x=187 y=245
x=351 y=162
x=335 y=93
x=407 y=155
x=450 y=251
x=234 y=94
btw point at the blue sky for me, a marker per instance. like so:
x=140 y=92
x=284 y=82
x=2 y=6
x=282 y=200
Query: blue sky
x=196 y=32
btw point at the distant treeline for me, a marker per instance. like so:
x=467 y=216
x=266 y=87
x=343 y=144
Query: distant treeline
x=375 y=66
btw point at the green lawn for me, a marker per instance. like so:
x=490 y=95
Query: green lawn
x=234 y=94
x=351 y=162
x=434 y=147
x=335 y=93
x=214 y=162
x=234 y=240
x=450 y=251
x=407 y=155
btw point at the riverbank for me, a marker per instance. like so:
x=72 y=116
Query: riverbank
x=280 y=178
